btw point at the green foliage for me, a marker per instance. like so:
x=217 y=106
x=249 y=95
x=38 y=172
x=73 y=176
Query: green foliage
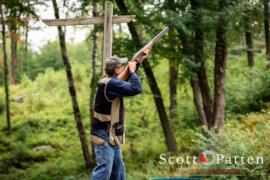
x=123 y=47
x=45 y=116
x=236 y=141
x=50 y=57
x=44 y=120
x=249 y=90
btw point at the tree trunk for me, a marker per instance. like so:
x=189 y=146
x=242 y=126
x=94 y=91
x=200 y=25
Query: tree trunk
x=199 y=59
x=26 y=48
x=26 y=39
x=13 y=46
x=266 y=28
x=5 y=69
x=220 y=69
x=72 y=91
x=186 y=50
x=173 y=67
x=206 y=95
x=173 y=63
x=93 y=83
x=249 y=42
x=169 y=137
x=198 y=102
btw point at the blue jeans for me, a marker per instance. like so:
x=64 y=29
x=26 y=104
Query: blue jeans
x=110 y=165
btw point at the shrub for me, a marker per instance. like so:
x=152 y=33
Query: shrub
x=236 y=141
x=247 y=89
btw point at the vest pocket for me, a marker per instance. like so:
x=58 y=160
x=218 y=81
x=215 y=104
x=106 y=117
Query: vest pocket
x=118 y=129
x=97 y=140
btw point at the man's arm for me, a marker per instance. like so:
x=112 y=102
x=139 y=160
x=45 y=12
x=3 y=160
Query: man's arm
x=134 y=64
x=119 y=88
x=137 y=68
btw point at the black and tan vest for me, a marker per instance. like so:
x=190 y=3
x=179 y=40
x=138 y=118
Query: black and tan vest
x=111 y=113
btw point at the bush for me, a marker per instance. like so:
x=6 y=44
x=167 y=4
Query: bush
x=249 y=90
x=236 y=141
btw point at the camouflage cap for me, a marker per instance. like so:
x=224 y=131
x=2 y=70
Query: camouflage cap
x=114 y=62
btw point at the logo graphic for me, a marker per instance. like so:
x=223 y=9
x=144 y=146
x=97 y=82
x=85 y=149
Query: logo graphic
x=207 y=157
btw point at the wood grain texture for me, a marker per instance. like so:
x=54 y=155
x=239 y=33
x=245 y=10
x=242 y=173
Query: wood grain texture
x=107 y=34
x=87 y=21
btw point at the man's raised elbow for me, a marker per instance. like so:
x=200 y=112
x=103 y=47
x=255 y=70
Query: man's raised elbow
x=136 y=90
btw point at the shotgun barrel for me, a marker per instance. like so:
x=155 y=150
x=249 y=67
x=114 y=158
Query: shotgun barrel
x=159 y=35
x=124 y=74
x=152 y=41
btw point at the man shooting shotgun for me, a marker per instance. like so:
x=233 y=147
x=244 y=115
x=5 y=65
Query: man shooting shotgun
x=108 y=126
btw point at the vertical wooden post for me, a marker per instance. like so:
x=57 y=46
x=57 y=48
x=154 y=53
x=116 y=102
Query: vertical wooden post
x=107 y=33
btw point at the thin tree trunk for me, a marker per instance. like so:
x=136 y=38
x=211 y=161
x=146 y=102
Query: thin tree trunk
x=206 y=95
x=198 y=102
x=173 y=63
x=26 y=34
x=249 y=42
x=186 y=50
x=93 y=82
x=220 y=69
x=72 y=91
x=169 y=137
x=26 y=39
x=5 y=69
x=266 y=28
x=173 y=68
x=13 y=46
x=26 y=49
x=199 y=59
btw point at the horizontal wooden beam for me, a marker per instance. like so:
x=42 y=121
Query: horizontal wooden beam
x=87 y=21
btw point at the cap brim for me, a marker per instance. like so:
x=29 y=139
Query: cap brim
x=123 y=60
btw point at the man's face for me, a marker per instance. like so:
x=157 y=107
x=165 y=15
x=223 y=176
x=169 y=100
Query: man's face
x=118 y=70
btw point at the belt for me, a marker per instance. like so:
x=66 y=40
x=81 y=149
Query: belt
x=97 y=124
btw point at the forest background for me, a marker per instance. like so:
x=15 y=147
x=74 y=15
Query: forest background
x=205 y=85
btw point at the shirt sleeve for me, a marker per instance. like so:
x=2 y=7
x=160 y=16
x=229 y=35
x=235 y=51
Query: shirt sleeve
x=119 y=88
x=137 y=67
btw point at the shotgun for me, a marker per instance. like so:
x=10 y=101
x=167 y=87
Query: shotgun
x=151 y=43
x=124 y=74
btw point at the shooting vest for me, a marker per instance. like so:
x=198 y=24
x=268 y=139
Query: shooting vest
x=113 y=113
